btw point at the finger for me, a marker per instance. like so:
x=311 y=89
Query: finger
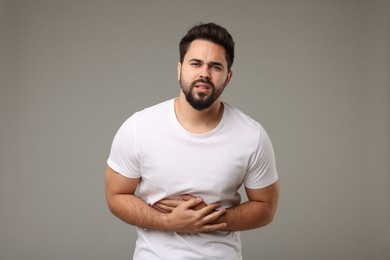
x=213 y=216
x=213 y=227
x=186 y=197
x=170 y=202
x=163 y=208
x=207 y=209
x=192 y=202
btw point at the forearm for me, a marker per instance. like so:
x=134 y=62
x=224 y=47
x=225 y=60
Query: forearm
x=257 y=212
x=183 y=219
x=133 y=210
x=248 y=215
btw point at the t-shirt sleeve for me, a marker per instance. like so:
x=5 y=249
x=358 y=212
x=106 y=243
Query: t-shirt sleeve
x=262 y=170
x=123 y=156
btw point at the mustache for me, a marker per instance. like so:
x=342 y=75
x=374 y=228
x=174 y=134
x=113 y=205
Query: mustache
x=204 y=81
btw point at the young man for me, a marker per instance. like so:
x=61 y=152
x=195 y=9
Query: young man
x=189 y=156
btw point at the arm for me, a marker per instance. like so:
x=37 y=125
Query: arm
x=124 y=204
x=258 y=211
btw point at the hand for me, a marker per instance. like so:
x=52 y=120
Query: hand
x=184 y=219
x=168 y=205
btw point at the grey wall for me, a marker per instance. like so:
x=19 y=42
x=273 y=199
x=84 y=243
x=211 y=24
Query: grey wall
x=314 y=73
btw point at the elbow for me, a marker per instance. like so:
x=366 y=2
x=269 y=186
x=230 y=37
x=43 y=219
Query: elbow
x=110 y=207
x=110 y=200
x=267 y=217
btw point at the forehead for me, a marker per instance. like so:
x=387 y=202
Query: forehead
x=205 y=50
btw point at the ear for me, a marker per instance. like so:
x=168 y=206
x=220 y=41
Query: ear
x=178 y=70
x=229 y=76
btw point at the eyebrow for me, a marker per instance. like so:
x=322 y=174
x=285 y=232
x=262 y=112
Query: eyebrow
x=212 y=63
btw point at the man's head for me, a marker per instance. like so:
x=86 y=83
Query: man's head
x=210 y=32
x=206 y=56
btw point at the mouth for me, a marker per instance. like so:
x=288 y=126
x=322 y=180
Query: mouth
x=202 y=86
x=202 y=89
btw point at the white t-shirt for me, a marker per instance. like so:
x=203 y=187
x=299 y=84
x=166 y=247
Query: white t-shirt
x=153 y=145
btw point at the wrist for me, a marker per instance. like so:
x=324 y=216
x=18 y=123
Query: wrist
x=166 y=222
x=221 y=219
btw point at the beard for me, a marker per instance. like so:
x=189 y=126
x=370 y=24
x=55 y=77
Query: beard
x=201 y=101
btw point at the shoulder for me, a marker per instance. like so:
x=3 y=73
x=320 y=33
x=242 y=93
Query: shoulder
x=159 y=108
x=154 y=112
x=237 y=118
x=245 y=126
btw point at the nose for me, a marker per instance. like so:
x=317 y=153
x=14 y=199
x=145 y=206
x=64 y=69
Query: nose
x=205 y=72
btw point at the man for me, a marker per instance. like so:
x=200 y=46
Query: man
x=188 y=158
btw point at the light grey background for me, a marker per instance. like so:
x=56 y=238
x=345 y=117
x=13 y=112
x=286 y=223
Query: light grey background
x=314 y=73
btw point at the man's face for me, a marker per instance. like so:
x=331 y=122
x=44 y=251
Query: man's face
x=203 y=75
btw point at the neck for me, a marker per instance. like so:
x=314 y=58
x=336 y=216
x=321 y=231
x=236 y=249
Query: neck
x=195 y=121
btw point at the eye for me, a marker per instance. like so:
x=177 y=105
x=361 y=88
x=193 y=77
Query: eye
x=195 y=64
x=217 y=67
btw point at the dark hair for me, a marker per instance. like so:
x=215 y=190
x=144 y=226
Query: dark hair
x=211 y=32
